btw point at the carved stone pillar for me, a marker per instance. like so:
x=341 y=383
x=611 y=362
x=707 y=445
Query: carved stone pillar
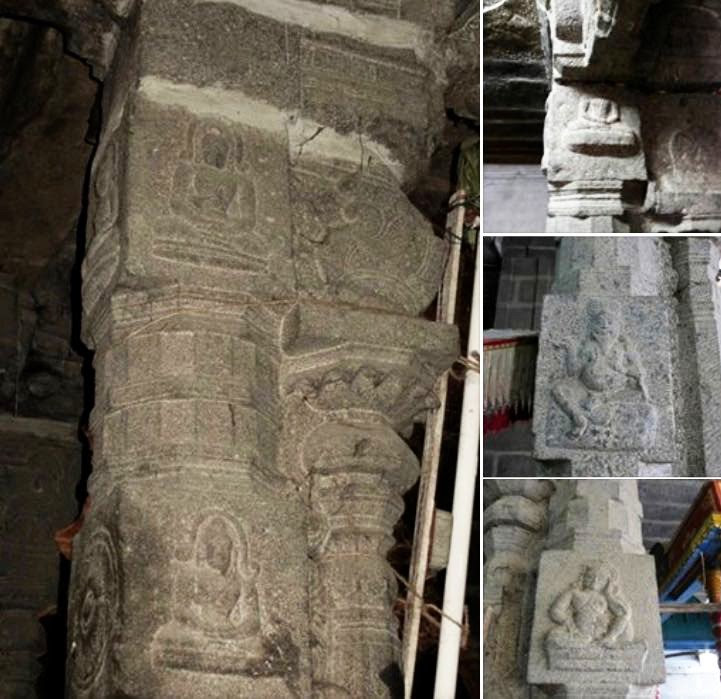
x=354 y=380
x=250 y=269
x=604 y=380
x=696 y=261
x=39 y=469
x=514 y=524
x=596 y=626
x=593 y=157
x=632 y=160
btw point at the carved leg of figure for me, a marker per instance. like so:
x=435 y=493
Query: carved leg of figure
x=566 y=396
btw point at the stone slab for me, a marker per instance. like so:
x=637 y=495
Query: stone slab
x=625 y=600
x=592 y=133
x=592 y=401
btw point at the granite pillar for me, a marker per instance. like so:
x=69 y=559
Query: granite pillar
x=250 y=284
x=515 y=519
x=596 y=625
x=630 y=136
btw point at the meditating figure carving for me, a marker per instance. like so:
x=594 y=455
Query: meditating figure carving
x=592 y=611
x=215 y=625
x=604 y=370
x=215 y=589
x=599 y=129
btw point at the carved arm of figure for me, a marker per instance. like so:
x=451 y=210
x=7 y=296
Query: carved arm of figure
x=635 y=371
x=621 y=616
x=560 y=610
x=572 y=360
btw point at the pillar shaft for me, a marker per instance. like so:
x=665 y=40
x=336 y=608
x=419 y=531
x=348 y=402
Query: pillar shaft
x=596 y=626
x=251 y=274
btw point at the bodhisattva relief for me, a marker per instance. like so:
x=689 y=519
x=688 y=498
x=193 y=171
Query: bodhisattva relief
x=213 y=200
x=593 y=625
x=603 y=395
x=599 y=130
x=215 y=623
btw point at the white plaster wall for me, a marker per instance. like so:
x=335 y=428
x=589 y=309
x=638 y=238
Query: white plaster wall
x=515 y=199
x=692 y=677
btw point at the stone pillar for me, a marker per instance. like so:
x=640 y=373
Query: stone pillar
x=514 y=524
x=641 y=158
x=39 y=469
x=252 y=273
x=596 y=625
x=604 y=379
x=699 y=340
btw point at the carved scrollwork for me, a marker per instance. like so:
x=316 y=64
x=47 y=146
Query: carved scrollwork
x=96 y=609
x=359 y=240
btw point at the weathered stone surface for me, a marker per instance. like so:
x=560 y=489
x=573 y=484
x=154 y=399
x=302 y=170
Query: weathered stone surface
x=91 y=26
x=607 y=385
x=682 y=141
x=596 y=618
x=511 y=552
x=595 y=41
x=251 y=276
x=39 y=469
x=680 y=46
x=592 y=141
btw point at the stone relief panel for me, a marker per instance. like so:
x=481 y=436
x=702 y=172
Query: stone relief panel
x=682 y=46
x=592 y=133
x=215 y=624
x=593 y=624
x=357 y=239
x=213 y=202
x=204 y=203
x=683 y=141
x=607 y=372
x=594 y=617
x=95 y=601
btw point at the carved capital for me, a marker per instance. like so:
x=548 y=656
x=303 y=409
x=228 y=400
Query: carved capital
x=363 y=366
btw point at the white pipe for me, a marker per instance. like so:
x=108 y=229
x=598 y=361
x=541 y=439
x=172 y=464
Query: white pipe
x=463 y=496
x=431 y=456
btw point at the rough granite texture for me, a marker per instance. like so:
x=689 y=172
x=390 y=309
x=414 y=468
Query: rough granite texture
x=39 y=469
x=596 y=627
x=250 y=287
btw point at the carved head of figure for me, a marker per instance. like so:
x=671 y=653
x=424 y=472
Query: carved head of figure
x=598 y=110
x=604 y=326
x=214 y=146
x=595 y=577
x=215 y=547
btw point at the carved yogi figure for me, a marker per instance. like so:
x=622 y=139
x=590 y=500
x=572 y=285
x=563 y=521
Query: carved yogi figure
x=599 y=130
x=591 y=611
x=214 y=202
x=215 y=589
x=601 y=371
x=210 y=189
